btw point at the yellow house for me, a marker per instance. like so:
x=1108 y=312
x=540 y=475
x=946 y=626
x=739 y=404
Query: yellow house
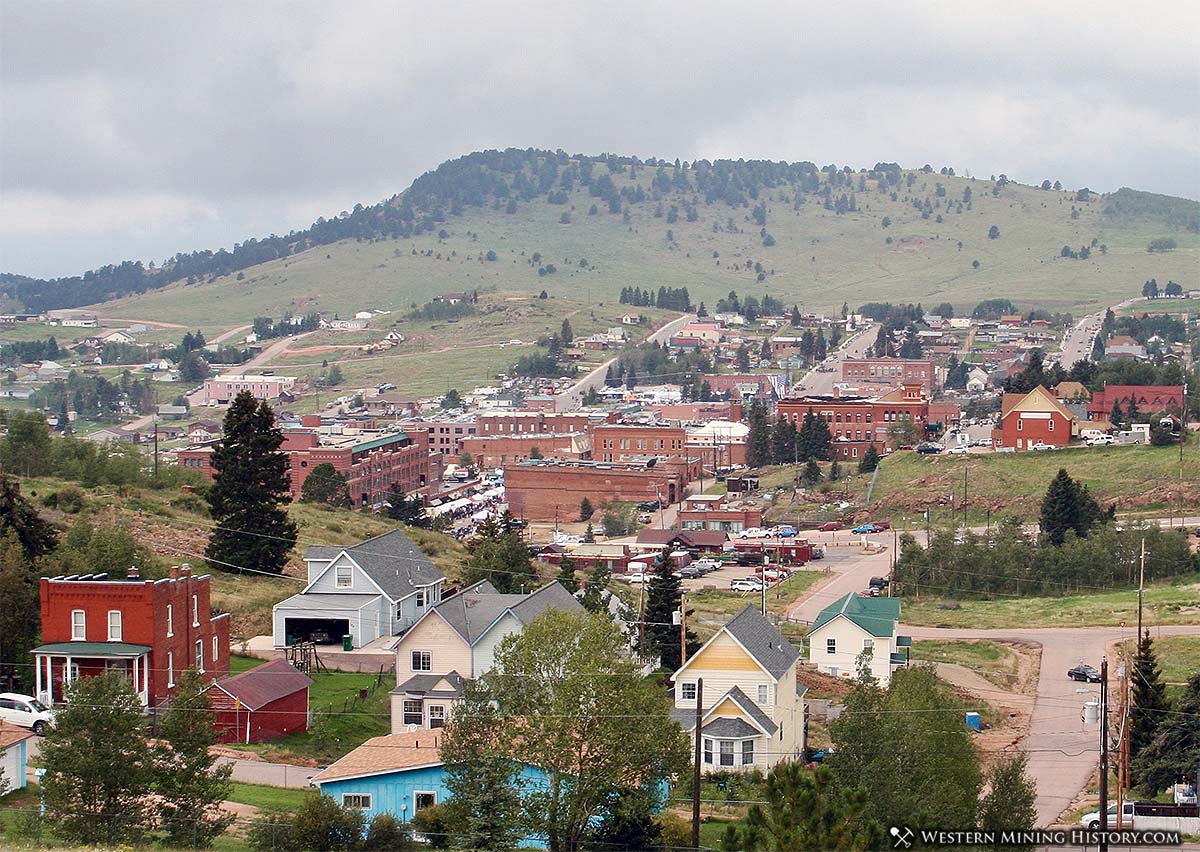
x=752 y=713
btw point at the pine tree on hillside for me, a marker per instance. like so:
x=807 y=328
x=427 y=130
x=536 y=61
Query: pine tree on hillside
x=869 y=461
x=249 y=490
x=20 y=612
x=1149 y=696
x=325 y=485
x=566 y=575
x=566 y=335
x=1068 y=506
x=663 y=596
x=595 y=590
x=1175 y=745
x=783 y=441
x=36 y=536
x=758 y=442
x=1116 y=416
x=812 y=473
x=1010 y=803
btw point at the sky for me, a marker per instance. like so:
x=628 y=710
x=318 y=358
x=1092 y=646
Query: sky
x=133 y=130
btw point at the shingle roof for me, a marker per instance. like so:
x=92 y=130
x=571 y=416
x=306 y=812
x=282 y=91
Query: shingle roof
x=424 y=684
x=263 y=684
x=686 y=716
x=691 y=538
x=391 y=560
x=760 y=638
x=327 y=600
x=476 y=608
x=11 y=735
x=729 y=728
x=877 y=616
x=380 y=755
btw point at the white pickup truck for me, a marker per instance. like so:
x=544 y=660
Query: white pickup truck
x=1148 y=816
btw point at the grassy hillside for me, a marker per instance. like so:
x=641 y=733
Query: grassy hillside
x=819 y=258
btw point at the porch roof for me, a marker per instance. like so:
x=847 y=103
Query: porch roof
x=92 y=649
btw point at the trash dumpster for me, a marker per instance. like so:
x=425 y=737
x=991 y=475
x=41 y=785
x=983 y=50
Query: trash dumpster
x=347 y=642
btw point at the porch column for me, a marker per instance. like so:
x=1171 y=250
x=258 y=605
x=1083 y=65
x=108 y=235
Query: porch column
x=50 y=679
x=67 y=674
x=37 y=674
x=136 y=680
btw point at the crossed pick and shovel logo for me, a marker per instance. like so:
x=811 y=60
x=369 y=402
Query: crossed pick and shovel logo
x=902 y=837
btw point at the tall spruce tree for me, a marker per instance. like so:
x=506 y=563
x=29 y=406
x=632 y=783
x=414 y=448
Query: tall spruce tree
x=19 y=609
x=566 y=575
x=1068 y=506
x=190 y=786
x=783 y=441
x=663 y=597
x=1149 y=696
x=869 y=461
x=249 y=490
x=758 y=443
x=595 y=590
x=37 y=536
x=1175 y=746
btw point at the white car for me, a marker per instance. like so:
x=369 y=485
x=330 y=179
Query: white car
x=706 y=566
x=1040 y=447
x=960 y=450
x=635 y=577
x=747 y=584
x=25 y=711
x=1101 y=440
x=754 y=532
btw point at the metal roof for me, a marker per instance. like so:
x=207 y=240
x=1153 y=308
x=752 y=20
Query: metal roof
x=93 y=649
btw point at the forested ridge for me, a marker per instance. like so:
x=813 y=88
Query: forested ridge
x=507 y=180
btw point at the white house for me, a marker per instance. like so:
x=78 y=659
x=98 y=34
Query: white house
x=13 y=755
x=377 y=588
x=855 y=628
x=752 y=713
x=977 y=380
x=117 y=337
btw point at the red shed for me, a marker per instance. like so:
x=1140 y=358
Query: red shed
x=789 y=551
x=264 y=703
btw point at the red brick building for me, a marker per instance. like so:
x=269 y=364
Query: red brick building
x=150 y=630
x=543 y=490
x=370 y=460
x=739 y=385
x=714 y=512
x=1149 y=399
x=619 y=442
x=862 y=420
x=531 y=423
x=1031 y=418
x=499 y=450
x=890 y=372
x=263 y=703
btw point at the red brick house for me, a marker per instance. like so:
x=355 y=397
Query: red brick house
x=1031 y=418
x=151 y=630
x=620 y=442
x=1150 y=399
x=264 y=703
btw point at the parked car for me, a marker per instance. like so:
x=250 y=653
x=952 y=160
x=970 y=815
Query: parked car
x=744 y=558
x=784 y=531
x=635 y=577
x=830 y=526
x=747 y=584
x=754 y=532
x=863 y=529
x=870 y=592
x=1100 y=440
x=1084 y=672
x=880 y=526
x=879 y=582
x=981 y=442
x=690 y=572
x=26 y=712
x=649 y=506
x=705 y=566
x=1041 y=447
x=929 y=448
x=645 y=518
x=960 y=450
x=818 y=551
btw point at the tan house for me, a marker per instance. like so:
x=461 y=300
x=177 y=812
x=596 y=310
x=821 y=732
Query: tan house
x=752 y=712
x=856 y=629
x=456 y=640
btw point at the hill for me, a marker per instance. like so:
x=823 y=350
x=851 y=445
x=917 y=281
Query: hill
x=815 y=236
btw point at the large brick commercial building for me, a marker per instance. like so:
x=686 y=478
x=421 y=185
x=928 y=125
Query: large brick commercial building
x=151 y=630
x=499 y=450
x=1148 y=399
x=1033 y=418
x=619 y=442
x=544 y=490
x=890 y=372
x=856 y=422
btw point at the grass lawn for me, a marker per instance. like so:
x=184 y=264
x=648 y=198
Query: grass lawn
x=1164 y=603
x=239 y=663
x=992 y=661
x=1178 y=657
x=713 y=608
x=267 y=798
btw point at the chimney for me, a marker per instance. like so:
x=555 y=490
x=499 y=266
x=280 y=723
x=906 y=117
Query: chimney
x=185 y=569
x=134 y=574
x=173 y=573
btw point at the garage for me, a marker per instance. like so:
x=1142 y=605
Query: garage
x=320 y=631
x=324 y=619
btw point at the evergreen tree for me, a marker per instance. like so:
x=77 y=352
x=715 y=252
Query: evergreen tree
x=835 y=472
x=566 y=335
x=1131 y=411
x=804 y=809
x=589 y=535
x=586 y=509
x=250 y=486
x=37 y=536
x=812 y=473
x=795 y=316
x=500 y=557
x=783 y=441
x=325 y=485
x=19 y=609
x=758 y=443
x=1010 y=803
x=190 y=787
x=1116 y=416
x=566 y=575
x=1149 y=697
x=98 y=764
x=814 y=439
x=1175 y=747
x=869 y=461
x=664 y=595
x=595 y=590
x=1068 y=506
x=25 y=450
x=406 y=510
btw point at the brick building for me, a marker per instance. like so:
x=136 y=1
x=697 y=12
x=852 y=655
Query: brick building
x=543 y=490
x=499 y=450
x=150 y=630
x=1149 y=399
x=445 y=436
x=225 y=387
x=619 y=442
x=531 y=423
x=739 y=385
x=890 y=372
x=371 y=460
x=715 y=512
x=861 y=420
x=1032 y=418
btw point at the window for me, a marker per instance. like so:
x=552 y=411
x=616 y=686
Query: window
x=170 y=621
x=437 y=716
x=199 y=655
x=216 y=649
x=763 y=691
x=747 y=752
x=830 y=646
x=114 y=625
x=422 y=800
x=412 y=713
x=1050 y=424
x=345 y=577
x=687 y=691
x=421 y=599
x=726 y=753
x=361 y=801
x=422 y=661
x=708 y=751
x=195 y=611
x=78 y=625
x=170 y=668
x=1020 y=425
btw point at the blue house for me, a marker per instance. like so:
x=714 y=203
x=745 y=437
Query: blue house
x=398 y=774
x=13 y=755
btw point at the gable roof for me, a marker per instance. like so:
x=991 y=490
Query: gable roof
x=474 y=610
x=11 y=735
x=391 y=560
x=426 y=684
x=1038 y=399
x=877 y=616
x=762 y=641
x=263 y=684
x=691 y=538
x=686 y=716
x=380 y=755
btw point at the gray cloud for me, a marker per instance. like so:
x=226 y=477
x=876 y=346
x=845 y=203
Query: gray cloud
x=135 y=129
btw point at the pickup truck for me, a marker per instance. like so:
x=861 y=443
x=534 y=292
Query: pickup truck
x=1148 y=816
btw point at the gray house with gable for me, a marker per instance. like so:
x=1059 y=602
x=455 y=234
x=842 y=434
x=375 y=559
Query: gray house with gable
x=376 y=589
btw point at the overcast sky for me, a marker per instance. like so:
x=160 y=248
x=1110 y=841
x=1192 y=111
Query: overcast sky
x=138 y=129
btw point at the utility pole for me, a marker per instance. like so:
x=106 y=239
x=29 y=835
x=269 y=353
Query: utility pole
x=1141 y=588
x=642 y=616
x=156 y=448
x=682 y=631
x=696 y=768
x=1103 y=753
x=964 y=503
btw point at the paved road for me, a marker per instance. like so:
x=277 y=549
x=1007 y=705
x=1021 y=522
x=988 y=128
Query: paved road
x=572 y=399
x=854 y=346
x=1078 y=341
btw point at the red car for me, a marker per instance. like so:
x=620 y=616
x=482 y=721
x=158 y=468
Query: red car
x=830 y=526
x=881 y=525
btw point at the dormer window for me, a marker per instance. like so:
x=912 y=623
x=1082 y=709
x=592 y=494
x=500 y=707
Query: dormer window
x=345 y=576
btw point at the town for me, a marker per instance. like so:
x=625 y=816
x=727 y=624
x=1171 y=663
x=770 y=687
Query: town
x=804 y=456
